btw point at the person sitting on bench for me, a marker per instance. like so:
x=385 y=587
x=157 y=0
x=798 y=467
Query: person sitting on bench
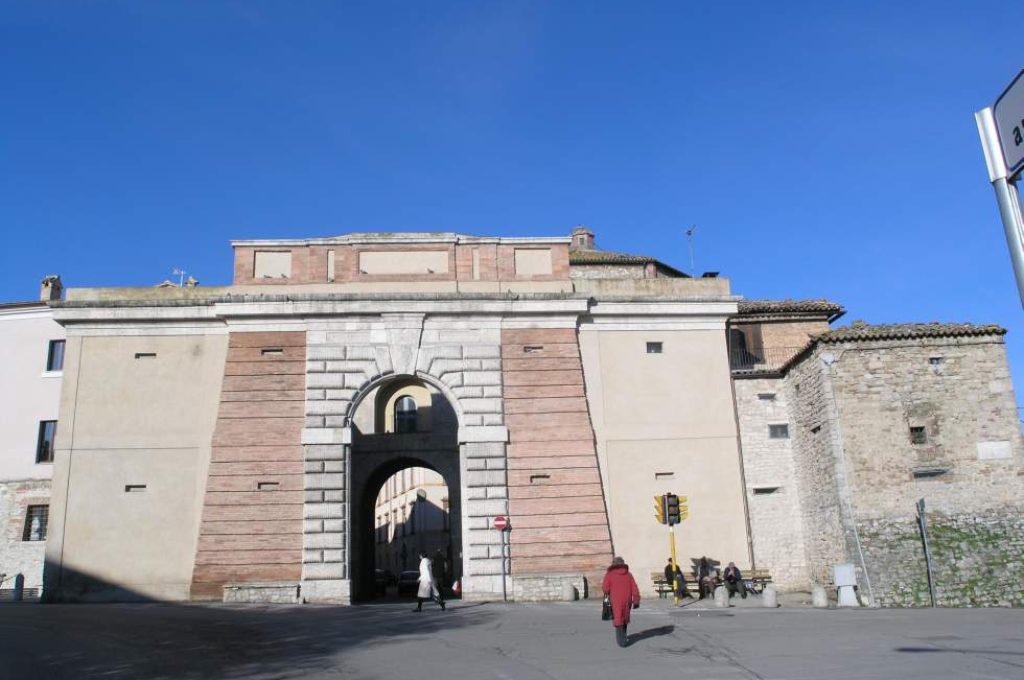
x=734 y=581
x=676 y=581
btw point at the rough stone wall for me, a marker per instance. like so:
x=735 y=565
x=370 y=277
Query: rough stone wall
x=970 y=470
x=18 y=556
x=775 y=522
x=815 y=442
x=555 y=494
x=252 y=512
x=550 y=587
x=977 y=560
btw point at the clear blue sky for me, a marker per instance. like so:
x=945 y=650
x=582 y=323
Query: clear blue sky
x=821 y=149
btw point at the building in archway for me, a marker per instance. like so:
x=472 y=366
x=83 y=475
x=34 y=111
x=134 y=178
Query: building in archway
x=231 y=442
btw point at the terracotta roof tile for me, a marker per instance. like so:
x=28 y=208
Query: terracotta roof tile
x=789 y=307
x=860 y=331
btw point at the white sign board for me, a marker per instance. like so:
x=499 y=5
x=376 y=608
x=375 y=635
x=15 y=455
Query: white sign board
x=1009 y=115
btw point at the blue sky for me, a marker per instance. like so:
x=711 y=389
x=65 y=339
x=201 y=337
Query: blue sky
x=821 y=149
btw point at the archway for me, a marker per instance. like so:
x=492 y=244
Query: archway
x=388 y=438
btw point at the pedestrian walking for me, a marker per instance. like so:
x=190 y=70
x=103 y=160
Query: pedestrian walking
x=428 y=587
x=620 y=586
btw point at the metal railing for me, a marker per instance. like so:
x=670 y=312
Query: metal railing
x=743 y=360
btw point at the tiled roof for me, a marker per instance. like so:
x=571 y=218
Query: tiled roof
x=584 y=256
x=789 y=307
x=606 y=257
x=907 y=331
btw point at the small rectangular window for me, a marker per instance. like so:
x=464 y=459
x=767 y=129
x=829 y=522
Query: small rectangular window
x=44 y=446
x=268 y=486
x=778 y=431
x=816 y=429
x=536 y=479
x=765 y=490
x=134 y=488
x=766 y=396
x=35 y=523
x=664 y=475
x=918 y=435
x=145 y=355
x=654 y=348
x=533 y=349
x=928 y=472
x=272 y=352
x=55 y=356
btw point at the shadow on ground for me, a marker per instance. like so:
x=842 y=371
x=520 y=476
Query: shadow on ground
x=156 y=641
x=649 y=633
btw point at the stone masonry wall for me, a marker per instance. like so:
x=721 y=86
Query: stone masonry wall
x=18 y=556
x=977 y=560
x=969 y=469
x=461 y=355
x=775 y=521
x=815 y=441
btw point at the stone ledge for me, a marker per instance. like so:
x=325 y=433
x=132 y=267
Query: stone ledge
x=275 y=592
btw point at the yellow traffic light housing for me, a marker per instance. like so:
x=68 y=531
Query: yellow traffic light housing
x=659 y=509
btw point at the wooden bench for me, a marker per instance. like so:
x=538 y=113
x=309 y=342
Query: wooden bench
x=757 y=579
x=661 y=586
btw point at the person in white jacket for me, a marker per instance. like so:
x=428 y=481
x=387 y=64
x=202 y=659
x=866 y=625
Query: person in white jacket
x=428 y=587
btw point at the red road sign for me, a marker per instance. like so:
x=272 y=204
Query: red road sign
x=500 y=523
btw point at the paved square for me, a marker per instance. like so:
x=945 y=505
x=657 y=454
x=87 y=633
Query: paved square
x=549 y=641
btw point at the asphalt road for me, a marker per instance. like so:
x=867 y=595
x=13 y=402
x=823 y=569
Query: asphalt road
x=524 y=642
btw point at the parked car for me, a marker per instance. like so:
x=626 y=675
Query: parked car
x=408 y=582
x=382 y=578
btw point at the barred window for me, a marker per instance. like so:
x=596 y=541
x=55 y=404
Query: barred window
x=35 y=523
x=779 y=431
x=918 y=435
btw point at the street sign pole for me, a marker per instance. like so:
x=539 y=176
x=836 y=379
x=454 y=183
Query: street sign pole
x=1006 y=194
x=675 y=564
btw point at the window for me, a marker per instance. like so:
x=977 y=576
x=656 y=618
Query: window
x=654 y=348
x=405 y=415
x=55 y=356
x=35 y=523
x=918 y=435
x=778 y=431
x=44 y=447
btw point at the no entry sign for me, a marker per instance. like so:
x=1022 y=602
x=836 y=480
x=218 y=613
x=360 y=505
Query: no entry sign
x=500 y=523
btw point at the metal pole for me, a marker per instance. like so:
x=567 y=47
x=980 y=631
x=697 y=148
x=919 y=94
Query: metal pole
x=675 y=564
x=1006 y=194
x=922 y=521
x=504 y=588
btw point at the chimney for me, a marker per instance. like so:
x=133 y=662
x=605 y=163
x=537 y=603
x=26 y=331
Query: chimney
x=51 y=288
x=582 y=239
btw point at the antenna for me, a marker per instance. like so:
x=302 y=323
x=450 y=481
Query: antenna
x=689 y=238
x=181 y=276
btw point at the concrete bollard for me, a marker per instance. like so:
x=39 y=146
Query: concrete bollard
x=819 y=598
x=569 y=592
x=769 y=598
x=721 y=597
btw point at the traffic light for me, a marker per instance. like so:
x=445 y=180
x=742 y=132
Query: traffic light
x=659 y=509
x=672 y=512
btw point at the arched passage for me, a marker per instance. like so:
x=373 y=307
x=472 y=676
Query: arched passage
x=396 y=515
x=379 y=450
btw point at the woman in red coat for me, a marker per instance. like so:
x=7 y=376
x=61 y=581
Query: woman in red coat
x=621 y=588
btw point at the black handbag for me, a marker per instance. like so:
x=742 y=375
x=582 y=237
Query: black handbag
x=606 y=609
